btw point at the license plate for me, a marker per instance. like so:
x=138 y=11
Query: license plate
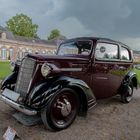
x=11 y=94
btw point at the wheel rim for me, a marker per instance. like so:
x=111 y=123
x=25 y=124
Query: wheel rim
x=64 y=109
x=129 y=94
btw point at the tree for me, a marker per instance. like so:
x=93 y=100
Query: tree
x=54 y=33
x=22 y=25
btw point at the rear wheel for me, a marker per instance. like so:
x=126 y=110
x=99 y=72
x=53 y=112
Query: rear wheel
x=61 y=111
x=127 y=95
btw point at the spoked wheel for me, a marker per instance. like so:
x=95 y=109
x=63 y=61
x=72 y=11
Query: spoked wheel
x=61 y=111
x=126 y=97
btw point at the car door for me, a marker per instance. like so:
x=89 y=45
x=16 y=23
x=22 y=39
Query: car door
x=105 y=70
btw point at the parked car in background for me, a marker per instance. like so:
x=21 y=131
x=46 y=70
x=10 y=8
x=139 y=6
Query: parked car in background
x=61 y=86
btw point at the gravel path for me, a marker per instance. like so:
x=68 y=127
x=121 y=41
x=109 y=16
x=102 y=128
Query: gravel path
x=109 y=120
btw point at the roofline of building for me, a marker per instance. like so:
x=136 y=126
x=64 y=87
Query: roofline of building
x=27 y=43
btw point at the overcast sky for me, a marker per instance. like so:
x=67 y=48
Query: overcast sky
x=115 y=19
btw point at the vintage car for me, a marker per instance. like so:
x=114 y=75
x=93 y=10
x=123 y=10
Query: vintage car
x=60 y=87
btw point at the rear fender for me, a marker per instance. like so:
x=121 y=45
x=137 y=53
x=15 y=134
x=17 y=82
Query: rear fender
x=130 y=77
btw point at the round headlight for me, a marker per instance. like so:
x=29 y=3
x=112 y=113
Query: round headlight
x=45 y=69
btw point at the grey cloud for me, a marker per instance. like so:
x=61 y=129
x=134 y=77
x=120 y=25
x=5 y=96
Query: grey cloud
x=100 y=16
x=114 y=19
x=117 y=19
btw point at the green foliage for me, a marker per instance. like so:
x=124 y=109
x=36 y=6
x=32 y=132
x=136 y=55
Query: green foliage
x=136 y=62
x=22 y=25
x=4 y=69
x=54 y=33
x=137 y=71
x=138 y=75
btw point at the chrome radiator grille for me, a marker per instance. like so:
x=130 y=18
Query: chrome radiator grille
x=25 y=76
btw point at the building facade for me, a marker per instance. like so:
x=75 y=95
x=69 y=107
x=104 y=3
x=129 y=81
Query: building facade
x=136 y=56
x=13 y=47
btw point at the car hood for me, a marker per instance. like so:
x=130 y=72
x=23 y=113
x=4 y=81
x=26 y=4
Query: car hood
x=58 y=57
x=62 y=63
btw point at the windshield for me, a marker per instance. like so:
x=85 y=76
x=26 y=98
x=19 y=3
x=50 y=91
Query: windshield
x=75 y=48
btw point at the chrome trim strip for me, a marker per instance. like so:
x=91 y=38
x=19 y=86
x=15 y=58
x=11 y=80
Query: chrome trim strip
x=91 y=100
x=102 y=78
x=70 y=69
x=91 y=103
x=17 y=106
x=92 y=106
x=55 y=68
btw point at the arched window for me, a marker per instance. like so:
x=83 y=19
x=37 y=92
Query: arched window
x=19 y=55
x=30 y=51
x=48 y=52
x=4 y=53
x=53 y=51
x=11 y=52
x=23 y=53
x=36 y=51
x=43 y=51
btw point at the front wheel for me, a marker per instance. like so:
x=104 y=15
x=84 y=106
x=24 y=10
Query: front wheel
x=127 y=95
x=61 y=110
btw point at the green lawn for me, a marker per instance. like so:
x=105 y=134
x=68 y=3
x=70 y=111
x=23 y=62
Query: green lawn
x=138 y=75
x=4 y=69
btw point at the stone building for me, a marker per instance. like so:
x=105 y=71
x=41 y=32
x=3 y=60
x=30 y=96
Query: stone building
x=136 y=56
x=13 y=47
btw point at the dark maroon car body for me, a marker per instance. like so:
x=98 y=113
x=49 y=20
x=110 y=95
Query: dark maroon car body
x=94 y=72
x=93 y=68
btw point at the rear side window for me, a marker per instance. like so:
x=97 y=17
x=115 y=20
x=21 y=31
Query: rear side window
x=124 y=54
x=106 y=51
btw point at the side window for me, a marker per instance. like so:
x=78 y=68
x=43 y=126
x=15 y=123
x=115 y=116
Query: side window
x=4 y=53
x=11 y=53
x=75 y=48
x=106 y=51
x=124 y=54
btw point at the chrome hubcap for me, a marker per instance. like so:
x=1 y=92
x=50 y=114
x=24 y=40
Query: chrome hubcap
x=65 y=107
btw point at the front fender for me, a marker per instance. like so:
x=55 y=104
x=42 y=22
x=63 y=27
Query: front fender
x=9 y=80
x=43 y=93
x=131 y=74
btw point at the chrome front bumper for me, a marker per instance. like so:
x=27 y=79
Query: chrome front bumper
x=17 y=106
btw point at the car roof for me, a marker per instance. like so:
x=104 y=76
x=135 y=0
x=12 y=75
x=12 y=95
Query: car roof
x=100 y=39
